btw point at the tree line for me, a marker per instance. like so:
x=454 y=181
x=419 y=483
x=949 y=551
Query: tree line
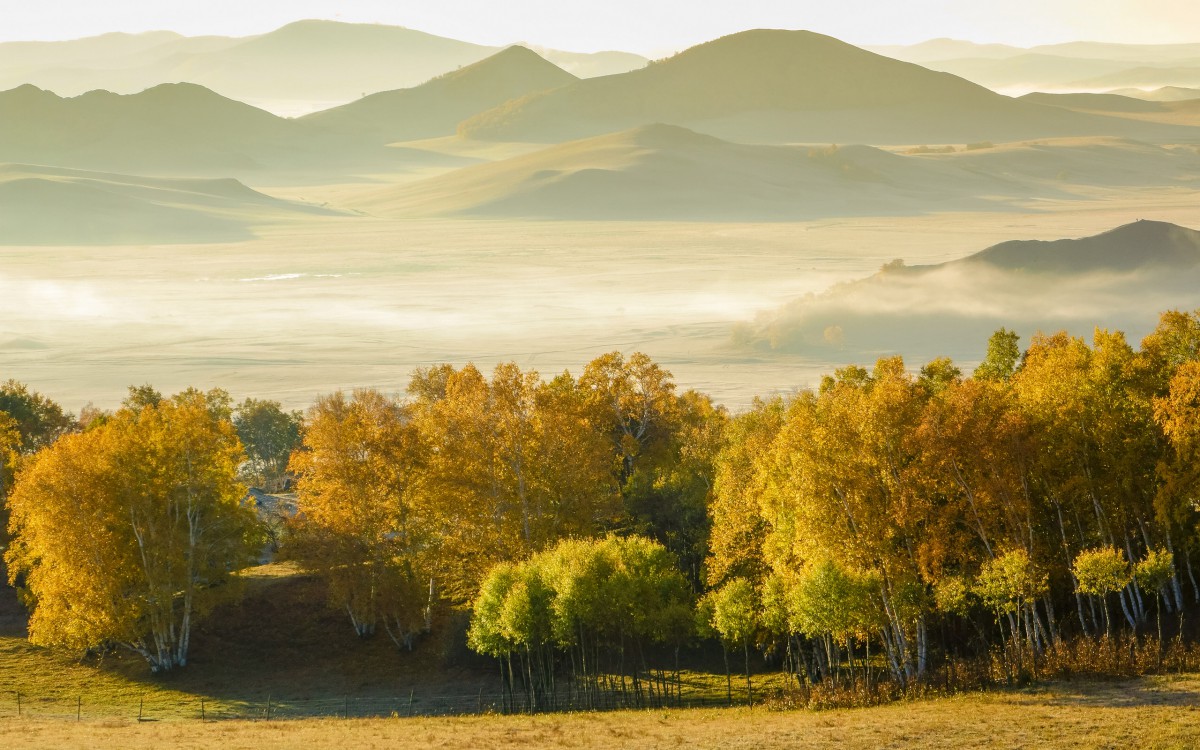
x=878 y=526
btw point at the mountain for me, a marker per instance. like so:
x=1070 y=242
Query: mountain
x=53 y=206
x=293 y=69
x=1136 y=246
x=172 y=129
x=789 y=86
x=435 y=108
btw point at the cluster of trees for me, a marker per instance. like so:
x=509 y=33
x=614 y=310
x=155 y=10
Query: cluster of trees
x=1053 y=493
x=409 y=502
x=600 y=602
x=126 y=527
x=887 y=517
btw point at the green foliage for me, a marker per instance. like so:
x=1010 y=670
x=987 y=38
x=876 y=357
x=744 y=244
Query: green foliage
x=735 y=616
x=269 y=434
x=1010 y=580
x=1101 y=571
x=602 y=591
x=829 y=600
x=1003 y=353
x=38 y=421
x=1155 y=570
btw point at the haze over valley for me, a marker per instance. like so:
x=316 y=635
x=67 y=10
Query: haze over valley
x=330 y=205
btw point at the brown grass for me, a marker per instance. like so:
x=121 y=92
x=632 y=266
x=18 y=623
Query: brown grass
x=1146 y=713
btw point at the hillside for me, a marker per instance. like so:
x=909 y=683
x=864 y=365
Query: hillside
x=1095 y=102
x=668 y=172
x=788 y=86
x=435 y=108
x=1117 y=280
x=665 y=172
x=1138 y=246
x=293 y=68
x=49 y=206
x=169 y=130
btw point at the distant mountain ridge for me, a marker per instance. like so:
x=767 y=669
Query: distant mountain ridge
x=305 y=61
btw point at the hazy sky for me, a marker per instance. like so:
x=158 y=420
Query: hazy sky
x=647 y=26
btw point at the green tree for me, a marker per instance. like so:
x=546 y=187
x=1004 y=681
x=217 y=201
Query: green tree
x=270 y=434
x=1100 y=572
x=38 y=420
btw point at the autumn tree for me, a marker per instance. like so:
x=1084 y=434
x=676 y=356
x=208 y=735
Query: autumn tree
x=130 y=532
x=513 y=465
x=360 y=523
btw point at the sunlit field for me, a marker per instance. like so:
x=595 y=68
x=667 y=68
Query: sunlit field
x=1148 y=713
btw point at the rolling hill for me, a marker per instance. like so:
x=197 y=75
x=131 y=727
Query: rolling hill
x=436 y=107
x=52 y=206
x=175 y=129
x=665 y=172
x=291 y=68
x=790 y=86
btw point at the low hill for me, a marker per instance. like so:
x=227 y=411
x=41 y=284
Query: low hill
x=670 y=173
x=1119 y=279
x=789 y=86
x=435 y=108
x=51 y=206
x=1141 y=245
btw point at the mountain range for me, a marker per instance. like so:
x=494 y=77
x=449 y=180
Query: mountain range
x=771 y=86
x=291 y=70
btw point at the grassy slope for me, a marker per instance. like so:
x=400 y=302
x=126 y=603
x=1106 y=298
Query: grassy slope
x=281 y=641
x=1148 y=713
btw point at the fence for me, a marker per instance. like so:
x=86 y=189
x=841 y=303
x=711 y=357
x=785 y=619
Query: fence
x=678 y=693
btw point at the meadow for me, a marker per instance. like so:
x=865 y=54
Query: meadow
x=1147 y=713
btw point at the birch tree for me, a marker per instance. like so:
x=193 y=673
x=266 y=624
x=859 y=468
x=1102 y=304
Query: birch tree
x=130 y=532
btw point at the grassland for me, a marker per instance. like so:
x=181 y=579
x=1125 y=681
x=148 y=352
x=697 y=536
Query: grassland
x=281 y=645
x=1146 y=713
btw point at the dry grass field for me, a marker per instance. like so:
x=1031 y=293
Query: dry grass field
x=1147 y=713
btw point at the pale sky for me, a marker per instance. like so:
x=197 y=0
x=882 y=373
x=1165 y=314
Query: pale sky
x=653 y=27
